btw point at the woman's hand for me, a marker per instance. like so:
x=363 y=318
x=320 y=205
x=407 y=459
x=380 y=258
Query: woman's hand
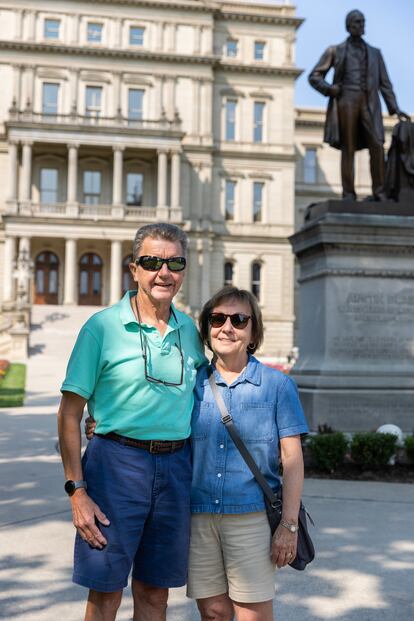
x=90 y=426
x=284 y=545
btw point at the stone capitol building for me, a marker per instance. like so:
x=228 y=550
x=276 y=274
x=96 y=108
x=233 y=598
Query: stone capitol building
x=117 y=113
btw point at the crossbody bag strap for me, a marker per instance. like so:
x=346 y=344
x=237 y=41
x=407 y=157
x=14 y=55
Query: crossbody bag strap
x=227 y=420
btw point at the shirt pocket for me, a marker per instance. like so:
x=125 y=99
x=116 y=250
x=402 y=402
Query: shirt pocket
x=203 y=411
x=257 y=422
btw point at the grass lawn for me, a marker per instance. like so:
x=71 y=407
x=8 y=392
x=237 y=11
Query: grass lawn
x=12 y=386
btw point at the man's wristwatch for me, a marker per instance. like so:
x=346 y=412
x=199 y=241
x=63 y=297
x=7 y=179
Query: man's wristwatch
x=72 y=486
x=290 y=526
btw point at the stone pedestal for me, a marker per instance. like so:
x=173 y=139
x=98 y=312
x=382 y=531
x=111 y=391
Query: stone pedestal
x=356 y=315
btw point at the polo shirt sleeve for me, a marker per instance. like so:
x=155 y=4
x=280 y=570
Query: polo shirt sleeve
x=290 y=417
x=84 y=365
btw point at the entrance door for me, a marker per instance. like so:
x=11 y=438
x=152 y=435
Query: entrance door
x=127 y=280
x=90 y=279
x=46 y=278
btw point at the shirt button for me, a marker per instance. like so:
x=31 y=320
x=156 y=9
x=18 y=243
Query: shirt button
x=219 y=475
x=217 y=501
x=221 y=445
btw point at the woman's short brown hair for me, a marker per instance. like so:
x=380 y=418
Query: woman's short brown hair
x=241 y=295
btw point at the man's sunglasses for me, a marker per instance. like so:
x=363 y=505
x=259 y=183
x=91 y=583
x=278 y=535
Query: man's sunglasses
x=238 y=320
x=153 y=264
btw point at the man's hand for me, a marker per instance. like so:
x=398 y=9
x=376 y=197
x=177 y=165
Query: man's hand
x=402 y=116
x=85 y=514
x=90 y=426
x=283 y=546
x=335 y=90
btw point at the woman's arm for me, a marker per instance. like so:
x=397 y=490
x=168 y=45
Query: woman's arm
x=83 y=508
x=284 y=542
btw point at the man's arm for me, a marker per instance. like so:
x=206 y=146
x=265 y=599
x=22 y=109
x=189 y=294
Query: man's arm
x=85 y=511
x=387 y=90
x=317 y=75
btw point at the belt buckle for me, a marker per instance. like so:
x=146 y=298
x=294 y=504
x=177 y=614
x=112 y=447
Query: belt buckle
x=152 y=447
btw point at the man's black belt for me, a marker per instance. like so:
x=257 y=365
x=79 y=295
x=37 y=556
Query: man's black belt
x=153 y=446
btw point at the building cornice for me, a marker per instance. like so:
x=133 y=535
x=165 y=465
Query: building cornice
x=198 y=6
x=56 y=48
x=287 y=72
x=209 y=60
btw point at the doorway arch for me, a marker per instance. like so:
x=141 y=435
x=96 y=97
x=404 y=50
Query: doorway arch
x=46 y=278
x=90 y=279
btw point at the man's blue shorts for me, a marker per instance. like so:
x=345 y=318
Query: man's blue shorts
x=146 y=497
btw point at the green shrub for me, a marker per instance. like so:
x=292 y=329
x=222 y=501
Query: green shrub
x=12 y=386
x=409 y=448
x=328 y=450
x=373 y=450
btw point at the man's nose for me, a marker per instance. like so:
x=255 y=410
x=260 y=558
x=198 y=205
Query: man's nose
x=164 y=271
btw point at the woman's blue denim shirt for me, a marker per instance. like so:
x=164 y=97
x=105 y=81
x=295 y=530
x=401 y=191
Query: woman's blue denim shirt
x=265 y=407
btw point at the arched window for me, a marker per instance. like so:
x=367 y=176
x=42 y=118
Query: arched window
x=228 y=273
x=90 y=279
x=256 y=274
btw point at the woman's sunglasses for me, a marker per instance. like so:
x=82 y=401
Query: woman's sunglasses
x=238 y=320
x=153 y=264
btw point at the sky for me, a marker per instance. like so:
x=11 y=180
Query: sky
x=389 y=26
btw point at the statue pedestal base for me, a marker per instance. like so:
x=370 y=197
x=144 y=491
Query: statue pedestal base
x=356 y=315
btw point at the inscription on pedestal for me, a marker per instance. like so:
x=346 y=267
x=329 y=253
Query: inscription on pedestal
x=371 y=306
x=372 y=347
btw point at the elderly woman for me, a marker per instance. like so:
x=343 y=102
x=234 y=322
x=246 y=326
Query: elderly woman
x=232 y=553
x=134 y=364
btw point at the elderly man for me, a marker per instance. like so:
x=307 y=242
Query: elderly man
x=354 y=119
x=134 y=365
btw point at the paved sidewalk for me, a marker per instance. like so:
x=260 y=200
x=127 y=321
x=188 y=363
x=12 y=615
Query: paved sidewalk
x=364 y=536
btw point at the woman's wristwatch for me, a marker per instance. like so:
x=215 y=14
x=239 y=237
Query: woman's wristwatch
x=291 y=526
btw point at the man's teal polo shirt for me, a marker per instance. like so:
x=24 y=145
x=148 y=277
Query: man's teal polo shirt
x=106 y=367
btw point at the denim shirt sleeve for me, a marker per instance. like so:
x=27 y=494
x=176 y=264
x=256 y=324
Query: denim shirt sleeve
x=290 y=417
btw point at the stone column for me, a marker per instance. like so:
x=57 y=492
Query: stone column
x=27 y=171
x=73 y=90
x=69 y=296
x=198 y=33
x=162 y=210
x=75 y=29
x=205 y=253
x=17 y=85
x=207 y=41
x=196 y=107
x=117 y=176
x=19 y=23
x=116 y=89
x=116 y=271
x=207 y=112
x=160 y=36
x=175 y=186
x=72 y=174
x=9 y=258
x=12 y=194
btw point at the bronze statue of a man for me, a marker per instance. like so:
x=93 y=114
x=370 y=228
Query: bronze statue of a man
x=353 y=118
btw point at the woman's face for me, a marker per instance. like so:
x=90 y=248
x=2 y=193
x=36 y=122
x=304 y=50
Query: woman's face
x=163 y=285
x=229 y=340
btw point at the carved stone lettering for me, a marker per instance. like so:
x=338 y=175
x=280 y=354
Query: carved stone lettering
x=372 y=347
x=379 y=307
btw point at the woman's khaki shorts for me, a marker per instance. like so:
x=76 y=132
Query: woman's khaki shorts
x=231 y=554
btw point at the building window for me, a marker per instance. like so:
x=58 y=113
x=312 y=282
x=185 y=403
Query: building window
x=135 y=104
x=136 y=35
x=135 y=184
x=259 y=50
x=232 y=48
x=48 y=186
x=309 y=166
x=228 y=273
x=93 y=101
x=51 y=28
x=92 y=187
x=259 y=108
x=231 y=107
x=229 y=199
x=257 y=201
x=50 y=94
x=256 y=269
x=94 y=32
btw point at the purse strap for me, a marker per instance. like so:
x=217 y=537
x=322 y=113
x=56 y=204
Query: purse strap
x=227 y=421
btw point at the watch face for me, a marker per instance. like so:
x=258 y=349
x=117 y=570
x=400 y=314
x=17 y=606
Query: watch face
x=69 y=487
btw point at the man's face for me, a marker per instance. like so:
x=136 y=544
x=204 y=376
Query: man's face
x=357 y=26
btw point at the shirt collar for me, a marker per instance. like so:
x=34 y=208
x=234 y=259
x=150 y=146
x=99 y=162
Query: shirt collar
x=252 y=373
x=127 y=316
